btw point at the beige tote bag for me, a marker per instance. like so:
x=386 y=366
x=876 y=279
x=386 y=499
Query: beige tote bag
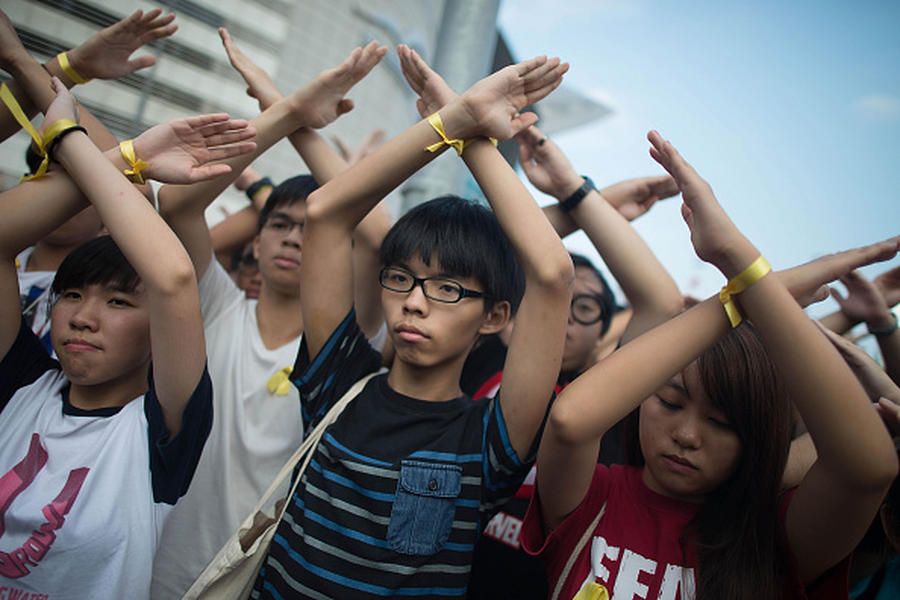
x=231 y=574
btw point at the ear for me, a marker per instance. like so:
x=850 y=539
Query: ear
x=256 y=247
x=495 y=319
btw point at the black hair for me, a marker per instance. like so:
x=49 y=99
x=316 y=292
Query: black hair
x=97 y=261
x=32 y=158
x=286 y=193
x=607 y=296
x=465 y=238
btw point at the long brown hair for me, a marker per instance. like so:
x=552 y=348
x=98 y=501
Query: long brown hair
x=736 y=532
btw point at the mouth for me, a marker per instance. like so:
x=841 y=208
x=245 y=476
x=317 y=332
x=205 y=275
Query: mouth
x=286 y=262
x=410 y=334
x=77 y=345
x=679 y=464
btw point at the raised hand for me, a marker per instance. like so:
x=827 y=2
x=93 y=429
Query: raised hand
x=545 y=164
x=889 y=285
x=634 y=197
x=106 y=54
x=62 y=107
x=878 y=385
x=179 y=151
x=490 y=108
x=259 y=84
x=808 y=282
x=353 y=155
x=432 y=91
x=715 y=237
x=322 y=100
x=864 y=302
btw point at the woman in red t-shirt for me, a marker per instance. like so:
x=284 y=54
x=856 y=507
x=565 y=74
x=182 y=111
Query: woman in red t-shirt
x=700 y=515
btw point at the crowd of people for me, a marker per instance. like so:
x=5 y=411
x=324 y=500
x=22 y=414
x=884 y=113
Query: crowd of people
x=527 y=433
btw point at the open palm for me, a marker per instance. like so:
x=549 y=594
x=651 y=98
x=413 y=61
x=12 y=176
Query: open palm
x=181 y=151
x=322 y=100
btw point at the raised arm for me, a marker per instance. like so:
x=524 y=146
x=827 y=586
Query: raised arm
x=866 y=303
x=105 y=55
x=840 y=495
x=179 y=151
x=315 y=105
x=651 y=291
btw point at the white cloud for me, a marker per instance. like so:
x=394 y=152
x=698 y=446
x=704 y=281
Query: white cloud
x=878 y=106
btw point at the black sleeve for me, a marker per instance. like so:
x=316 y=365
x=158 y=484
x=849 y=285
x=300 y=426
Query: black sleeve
x=345 y=358
x=173 y=461
x=23 y=364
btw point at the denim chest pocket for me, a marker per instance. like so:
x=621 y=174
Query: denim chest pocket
x=422 y=515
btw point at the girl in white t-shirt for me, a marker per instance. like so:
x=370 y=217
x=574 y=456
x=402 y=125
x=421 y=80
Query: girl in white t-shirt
x=96 y=448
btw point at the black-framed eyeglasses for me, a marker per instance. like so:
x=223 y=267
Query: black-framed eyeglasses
x=439 y=289
x=282 y=226
x=586 y=309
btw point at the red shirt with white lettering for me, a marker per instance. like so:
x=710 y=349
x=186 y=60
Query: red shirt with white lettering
x=635 y=551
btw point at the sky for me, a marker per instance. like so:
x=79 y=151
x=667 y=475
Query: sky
x=791 y=110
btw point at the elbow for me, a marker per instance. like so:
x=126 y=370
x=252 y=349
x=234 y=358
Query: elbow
x=565 y=423
x=556 y=274
x=317 y=206
x=179 y=278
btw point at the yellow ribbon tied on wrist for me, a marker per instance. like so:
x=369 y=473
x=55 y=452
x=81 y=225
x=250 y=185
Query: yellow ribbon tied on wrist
x=438 y=125
x=63 y=59
x=758 y=269
x=19 y=115
x=137 y=165
x=280 y=383
x=592 y=591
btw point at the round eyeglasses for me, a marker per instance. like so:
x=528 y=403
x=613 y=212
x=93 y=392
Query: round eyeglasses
x=586 y=309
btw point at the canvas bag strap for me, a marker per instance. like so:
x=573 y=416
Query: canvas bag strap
x=310 y=443
x=576 y=552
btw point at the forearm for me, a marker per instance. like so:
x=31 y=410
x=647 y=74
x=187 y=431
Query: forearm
x=851 y=441
x=837 y=322
x=150 y=246
x=347 y=199
x=651 y=291
x=608 y=391
x=323 y=162
x=562 y=223
x=542 y=257
x=234 y=231
x=890 y=353
x=271 y=126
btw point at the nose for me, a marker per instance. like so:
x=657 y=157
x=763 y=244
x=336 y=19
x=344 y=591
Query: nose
x=687 y=433
x=415 y=301
x=84 y=316
x=294 y=237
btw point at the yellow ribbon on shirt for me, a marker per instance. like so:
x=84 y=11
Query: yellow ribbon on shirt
x=758 y=269
x=592 y=590
x=280 y=383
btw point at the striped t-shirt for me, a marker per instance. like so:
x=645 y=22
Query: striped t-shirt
x=397 y=492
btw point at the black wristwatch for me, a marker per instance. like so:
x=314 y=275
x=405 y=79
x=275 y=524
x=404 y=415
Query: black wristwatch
x=578 y=195
x=257 y=185
x=885 y=331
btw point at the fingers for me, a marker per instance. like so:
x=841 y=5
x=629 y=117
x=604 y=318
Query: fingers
x=671 y=160
x=208 y=172
x=523 y=121
x=535 y=95
x=142 y=62
x=200 y=121
x=231 y=150
x=545 y=74
x=527 y=66
x=230 y=137
x=663 y=186
x=530 y=137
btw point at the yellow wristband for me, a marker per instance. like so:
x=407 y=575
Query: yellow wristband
x=758 y=269
x=137 y=165
x=19 y=115
x=438 y=125
x=63 y=59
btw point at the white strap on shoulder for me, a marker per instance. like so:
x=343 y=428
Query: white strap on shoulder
x=309 y=444
x=576 y=552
